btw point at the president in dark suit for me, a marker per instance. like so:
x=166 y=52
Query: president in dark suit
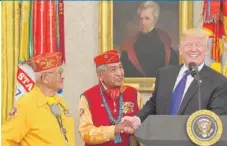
x=176 y=90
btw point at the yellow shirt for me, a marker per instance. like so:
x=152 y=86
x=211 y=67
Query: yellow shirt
x=32 y=123
x=90 y=133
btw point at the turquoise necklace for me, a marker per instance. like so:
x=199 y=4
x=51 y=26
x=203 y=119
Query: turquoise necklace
x=110 y=116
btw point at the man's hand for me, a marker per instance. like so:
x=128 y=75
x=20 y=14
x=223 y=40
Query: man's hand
x=119 y=128
x=132 y=123
x=123 y=126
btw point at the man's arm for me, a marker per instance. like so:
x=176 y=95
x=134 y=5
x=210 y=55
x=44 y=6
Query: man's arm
x=140 y=104
x=16 y=127
x=218 y=102
x=92 y=134
x=150 y=106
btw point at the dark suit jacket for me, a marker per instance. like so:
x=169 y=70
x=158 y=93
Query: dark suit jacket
x=213 y=93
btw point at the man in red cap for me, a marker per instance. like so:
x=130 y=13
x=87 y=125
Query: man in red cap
x=102 y=106
x=41 y=117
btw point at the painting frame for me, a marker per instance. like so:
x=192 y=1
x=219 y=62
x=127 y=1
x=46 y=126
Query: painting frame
x=106 y=36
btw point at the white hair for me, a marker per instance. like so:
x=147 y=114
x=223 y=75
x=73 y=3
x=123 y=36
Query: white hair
x=101 y=68
x=38 y=75
x=194 y=32
x=150 y=4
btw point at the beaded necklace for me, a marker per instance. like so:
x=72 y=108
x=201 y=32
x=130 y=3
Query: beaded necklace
x=110 y=116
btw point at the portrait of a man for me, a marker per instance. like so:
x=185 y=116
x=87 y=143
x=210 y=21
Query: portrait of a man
x=147 y=40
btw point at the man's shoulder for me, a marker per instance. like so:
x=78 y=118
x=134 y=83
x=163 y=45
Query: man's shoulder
x=62 y=101
x=214 y=75
x=164 y=36
x=25 y=100
x=161 y=31
x=128 y=88
x=91 y=89
x=169 y=67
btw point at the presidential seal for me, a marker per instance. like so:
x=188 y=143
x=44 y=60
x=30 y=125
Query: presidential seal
x=204 y=128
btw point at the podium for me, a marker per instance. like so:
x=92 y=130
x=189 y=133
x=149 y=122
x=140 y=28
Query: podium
x=166 y=130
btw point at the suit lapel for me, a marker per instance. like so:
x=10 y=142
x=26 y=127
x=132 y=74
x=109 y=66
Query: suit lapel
x=193 y=88
x=189 y=94
x=171 y=78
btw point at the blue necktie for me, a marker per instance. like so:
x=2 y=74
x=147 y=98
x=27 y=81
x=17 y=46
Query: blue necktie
x=178 y=94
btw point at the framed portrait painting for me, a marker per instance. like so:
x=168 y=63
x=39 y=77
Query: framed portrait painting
x=146 y=34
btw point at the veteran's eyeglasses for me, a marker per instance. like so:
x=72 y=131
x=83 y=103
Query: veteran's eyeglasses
x=61 y=71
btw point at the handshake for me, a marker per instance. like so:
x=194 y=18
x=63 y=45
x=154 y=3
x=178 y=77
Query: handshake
x=127 y=125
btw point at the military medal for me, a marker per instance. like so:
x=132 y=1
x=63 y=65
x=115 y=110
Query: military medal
x=67 y=113
x=128 y=107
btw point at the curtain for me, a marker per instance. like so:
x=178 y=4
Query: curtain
x=10 y=50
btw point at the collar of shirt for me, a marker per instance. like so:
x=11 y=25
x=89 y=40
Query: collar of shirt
x=107 y=91
x=184 y=68
x=189 y=79
x=151 y=29
x=42 y=99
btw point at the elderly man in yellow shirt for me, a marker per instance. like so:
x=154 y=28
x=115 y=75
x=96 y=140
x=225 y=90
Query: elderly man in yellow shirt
x=41 y=117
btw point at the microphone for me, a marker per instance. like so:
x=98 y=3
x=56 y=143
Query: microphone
x=193 y=69
x=195 y=73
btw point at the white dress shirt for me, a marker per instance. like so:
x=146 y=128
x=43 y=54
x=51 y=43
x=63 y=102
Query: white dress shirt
x=189 y=78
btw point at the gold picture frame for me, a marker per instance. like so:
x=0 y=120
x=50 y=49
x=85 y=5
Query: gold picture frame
x=106 y=36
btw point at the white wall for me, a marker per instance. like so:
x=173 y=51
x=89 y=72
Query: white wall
x=81 y=35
